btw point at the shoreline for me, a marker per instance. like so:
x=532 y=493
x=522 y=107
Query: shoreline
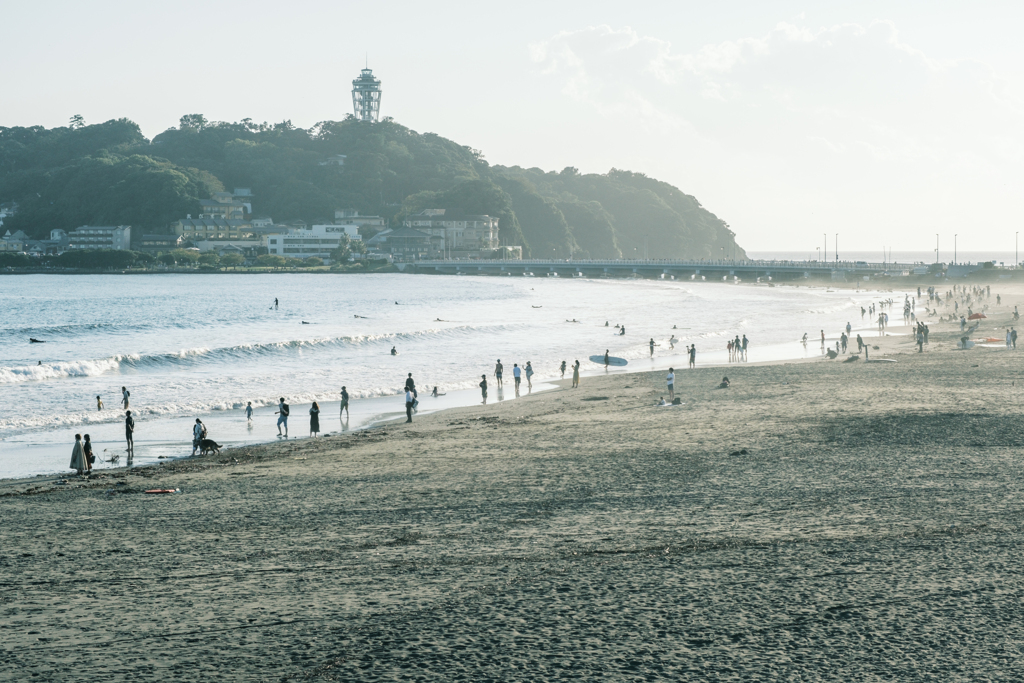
x=841 y=510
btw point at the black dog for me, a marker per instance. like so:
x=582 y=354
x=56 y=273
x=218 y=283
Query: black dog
x=209 y=446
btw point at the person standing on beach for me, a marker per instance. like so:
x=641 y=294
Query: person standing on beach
x=498 y=368
x=693 y=356
x=87 y=453
x=517 y=376
x=99 y=403
x=529 y=374
x=576 y=375
x=344 y=402
x=671 y=380
x=124 y=397
x=823 y=340
x=410 y=384
x=561 y=369
x=744 y=347
x=1013 y=337
x=78 y=455
x=483 y=388
x=129 y=433
x=283 y=410
x=314 y=419
x=409 y=398
x=652 y=347
x=248 y=412
x=197 y=434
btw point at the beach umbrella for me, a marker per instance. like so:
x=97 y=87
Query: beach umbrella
x=977 y=316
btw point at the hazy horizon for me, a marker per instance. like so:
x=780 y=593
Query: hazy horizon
x=884 y=123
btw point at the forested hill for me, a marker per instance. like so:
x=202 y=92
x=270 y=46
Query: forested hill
x=111 y=174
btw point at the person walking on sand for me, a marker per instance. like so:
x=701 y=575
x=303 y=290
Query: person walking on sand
x=124 y=397
x=314 y=419
x=529 y=375
x=248 y=412
x=78 y=455
x=576 y=375
x=129 y=433
x=498 y=369
x=671 y=380
x=409 y=400
x=693 y=356
x=483 y=387
x=99 y=403
x=344 y=403
x=517 y=373
x=561 y=368
x=283 y=411
x=198 y=429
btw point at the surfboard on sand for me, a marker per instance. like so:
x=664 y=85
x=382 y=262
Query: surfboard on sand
x=612 y=360
x=881 y=360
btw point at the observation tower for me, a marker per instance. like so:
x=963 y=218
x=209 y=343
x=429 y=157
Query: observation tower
x=366 y=96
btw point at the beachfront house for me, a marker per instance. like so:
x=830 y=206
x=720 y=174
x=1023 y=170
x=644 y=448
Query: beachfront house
x=460 y=237
x=302 y=241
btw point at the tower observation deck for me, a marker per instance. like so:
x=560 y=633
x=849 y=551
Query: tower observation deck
x=366 y=96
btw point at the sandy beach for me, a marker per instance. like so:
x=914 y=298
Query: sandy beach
x=818 y=520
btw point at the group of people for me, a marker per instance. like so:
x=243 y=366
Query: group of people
x=517 y=376
x=737 y=348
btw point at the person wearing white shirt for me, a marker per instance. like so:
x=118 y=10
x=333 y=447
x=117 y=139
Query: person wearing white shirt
x=409 y=400
x=671 y=380
x=517 y=373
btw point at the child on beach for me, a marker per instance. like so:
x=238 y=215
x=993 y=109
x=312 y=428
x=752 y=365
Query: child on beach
x=248 y=412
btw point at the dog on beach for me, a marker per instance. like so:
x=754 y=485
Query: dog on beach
x=209 y=446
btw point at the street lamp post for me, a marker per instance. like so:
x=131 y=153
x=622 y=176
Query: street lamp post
x=936 y=247
x=954 y=248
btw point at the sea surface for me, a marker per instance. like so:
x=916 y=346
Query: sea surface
x=189 y=346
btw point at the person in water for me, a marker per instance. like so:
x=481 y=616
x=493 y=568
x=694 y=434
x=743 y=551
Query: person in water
x=622 y=330
x=498 y=369
x=435 y=393
x=344 y=402
x=248 y=412
x=275 y=303
x=561 y=369
x=99 y=403
x=483 y=387
x=394 y=351
x=124 y=397
x=652 y=347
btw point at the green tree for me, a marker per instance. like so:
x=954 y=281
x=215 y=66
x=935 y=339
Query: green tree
x=343 y=251
x=76 y=122
x=232 y=260
x=313 y=262
x=209 y=259
x=271 y=261
x=185 y=256
x=166 y=259
x=196 y=122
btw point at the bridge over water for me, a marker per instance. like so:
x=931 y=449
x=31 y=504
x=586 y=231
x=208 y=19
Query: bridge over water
x=748 y=270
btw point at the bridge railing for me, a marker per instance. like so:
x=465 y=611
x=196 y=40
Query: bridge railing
x=677 y=263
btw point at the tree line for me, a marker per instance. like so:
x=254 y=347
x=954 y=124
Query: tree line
x=110 y=174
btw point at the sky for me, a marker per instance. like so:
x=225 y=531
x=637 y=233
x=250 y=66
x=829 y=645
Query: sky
x=885 y=123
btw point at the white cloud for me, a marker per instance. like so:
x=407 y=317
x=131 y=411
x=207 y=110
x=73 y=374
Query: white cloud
x=849 y=111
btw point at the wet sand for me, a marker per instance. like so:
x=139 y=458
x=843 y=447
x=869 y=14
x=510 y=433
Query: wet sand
x=819 y=520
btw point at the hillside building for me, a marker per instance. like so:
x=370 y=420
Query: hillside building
x=314 y=240
x=194 y=229
x=100 y=237
x=464 y=237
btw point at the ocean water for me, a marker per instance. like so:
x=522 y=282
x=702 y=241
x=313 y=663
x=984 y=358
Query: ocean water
x=204 y=346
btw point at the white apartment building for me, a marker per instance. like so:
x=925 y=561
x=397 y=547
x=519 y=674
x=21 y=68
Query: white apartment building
x=314 y=240
x=100 y=237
